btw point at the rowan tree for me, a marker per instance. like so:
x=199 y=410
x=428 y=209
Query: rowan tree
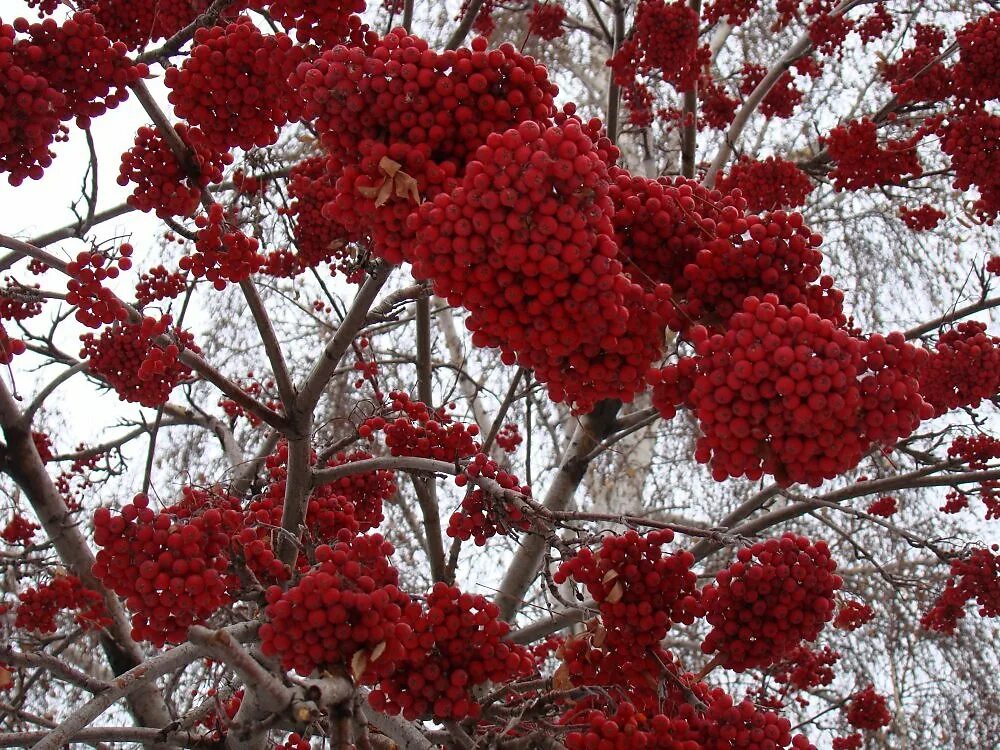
x=585 y=374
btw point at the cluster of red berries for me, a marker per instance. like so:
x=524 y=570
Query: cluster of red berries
x=223 y=254
x=161 y=183
x=483 y=515
x=455 y=644
x=641 y=591
x=54 y=74
x=421 y=431
x=862 y=162
x=974 y=577
x=977 y=72
x=318 y=239
x=787 y=393
x=778 y=594
x=79 y=61
x=884 y=506
x=39 y=607
x=20 y=302
x=735 y=12
x=975 y=451
x=139 y=370
x=767 y=184
x=137 y=22
x=876 y=24
x=963 y=369
x=723 y=723
x=804 y=668
x=96 y=304
x=969 y=137
x=345 y=614
x=588 y=659
x=918 y=75
x=849 y=742
x=254 y=100
x=327 y=23
x=19 y=530
x=545 y=19
x=922 y=218
x=509 y=437
x=716 y=106
x=783 y=97
x=828 y=31
x=852 y=615
x=158 y=284
x=664 y=40
x=868 y=710
x=171 y=567
x=366 y=492
x=532 y=219
x=401 y=120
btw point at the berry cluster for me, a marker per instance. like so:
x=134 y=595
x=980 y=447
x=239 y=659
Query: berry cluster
x=158 y=284
x=532 y=220
x=922 y=218
x=161 y=183
x=787 y=393
x=974 y=577
x=419 y=431
x=863 y=163
x=963 y=369
x=234 y=85
x=545 y=19
x=716 y=106
x=79 y=61
x=783 y=97
x=918 y=75
x=735 y=12
x=804 y=668
x=54 y=73
x=975 y=451
x=767 y=184
x=138 y=369
x=318 y=239
x=849 y=742
x=326 y=23
x=884 y=506
x=977 y=73
x=969 y=137
x=171 y=567
x=96 y=304
x=852 y=615
x=509 y=437
x=366 y=492
x=19 y=530
x=38 y=607
x=641 y=592
x=868 y=710
x=223 y=253
x=19 y=302
x=345 y=614
x=455 y=645
x=137 y=22
x=665 y=40
x=484 y=514
x=401 y=121
x=760 y=611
